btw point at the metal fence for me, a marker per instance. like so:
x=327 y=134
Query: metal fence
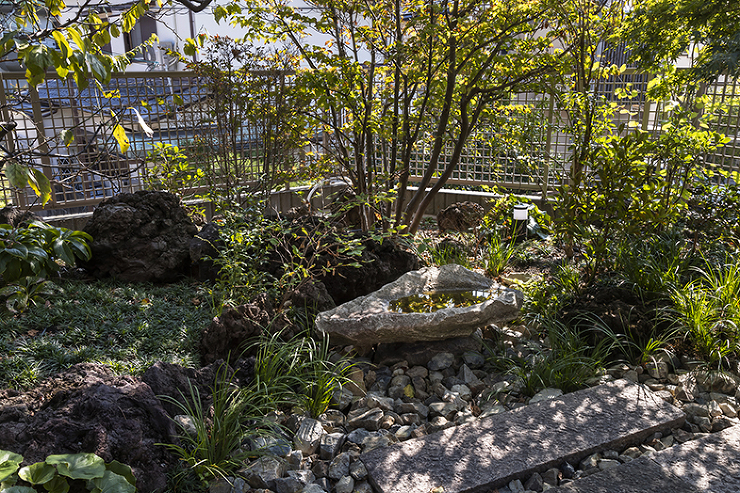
x=177 y=106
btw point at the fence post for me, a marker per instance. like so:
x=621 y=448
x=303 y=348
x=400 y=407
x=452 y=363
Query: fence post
x=646 y=108
x=548 y=151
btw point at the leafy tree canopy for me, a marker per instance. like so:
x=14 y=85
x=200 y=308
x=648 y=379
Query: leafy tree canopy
x=661 y=31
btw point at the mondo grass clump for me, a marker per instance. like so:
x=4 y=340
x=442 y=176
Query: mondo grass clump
x=126 y=327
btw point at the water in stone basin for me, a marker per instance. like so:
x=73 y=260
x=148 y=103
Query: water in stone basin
x=438 y=300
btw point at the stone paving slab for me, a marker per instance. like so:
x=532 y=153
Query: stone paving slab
x=496 y=450
x=708 y=464
x=638 y=476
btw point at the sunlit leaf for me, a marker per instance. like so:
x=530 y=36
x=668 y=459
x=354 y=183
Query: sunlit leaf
x=120 y=135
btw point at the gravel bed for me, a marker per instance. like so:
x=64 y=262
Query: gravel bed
x=389 y=404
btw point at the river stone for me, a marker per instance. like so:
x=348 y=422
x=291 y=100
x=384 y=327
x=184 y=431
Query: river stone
x=367 y=321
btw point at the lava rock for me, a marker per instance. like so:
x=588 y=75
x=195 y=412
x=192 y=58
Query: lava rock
x=89 y=409
x=140 y=237
x=460 y=216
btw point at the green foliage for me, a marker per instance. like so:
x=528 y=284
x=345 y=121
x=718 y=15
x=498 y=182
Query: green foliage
x=667 y=28
x=452 y=249
x=654 y=265
x=543 y=298
x=300 y=372
x=39 y=250
x=215 y=449
x=497 y=255
x=390 y=79
x=26 y=292
x=714 y=210
x=294 y=373
x=499 y=218
x=56 y=471
x=30 y=254
x=706 y=311
x=257 y=131
x=568 y=365
x=34 y=34
x=241 y=259
x=127 y=328
x=170 y=170
x=297 y=251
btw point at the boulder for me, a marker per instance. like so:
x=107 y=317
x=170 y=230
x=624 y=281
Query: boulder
x=230 y=334
x=381 y=263
x=460 y=216
x=140 y=237
x=368 y=320
x=203 y=249
x=310 y=297
x=15 y=216
x=89 y=409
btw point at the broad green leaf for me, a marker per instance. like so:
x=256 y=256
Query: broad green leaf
x=62 y=43
x=68 y=136
x=78 y=466
x=6 y=466
x=17 y=174
x=120 y=135
x=62 y=251
x=74 y=33
x=19 y=489
x=123 y=470
x=57 y=485
x=100 y=66
x=18 y=250
x=113 y=483
x=36 y=60
x=9 y=463
x=38 y=473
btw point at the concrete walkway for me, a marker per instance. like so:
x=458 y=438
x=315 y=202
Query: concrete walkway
x=493 y=451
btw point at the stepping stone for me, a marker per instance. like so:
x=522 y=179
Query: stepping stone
x=638 y=476
x=710 y=463
x=496 y=450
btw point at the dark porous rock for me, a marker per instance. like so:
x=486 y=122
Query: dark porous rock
x=175 y=381
x=16 y=216
x=203 y=249
x=89 y=409
x=310 y=296
x=140 y=237
x=382 y=263
x=230 y=334
x=460 y=216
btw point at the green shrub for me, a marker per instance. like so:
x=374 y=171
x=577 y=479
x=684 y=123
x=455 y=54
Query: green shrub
x=56 y=471
x=30 y=255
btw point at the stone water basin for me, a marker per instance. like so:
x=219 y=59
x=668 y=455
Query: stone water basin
x=370 y=319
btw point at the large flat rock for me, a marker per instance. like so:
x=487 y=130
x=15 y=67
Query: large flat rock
x=496 y=450
x=639 y=476
x=368 y=320
x=711 y=463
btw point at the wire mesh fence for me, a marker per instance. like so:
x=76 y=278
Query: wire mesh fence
x=70 y=135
